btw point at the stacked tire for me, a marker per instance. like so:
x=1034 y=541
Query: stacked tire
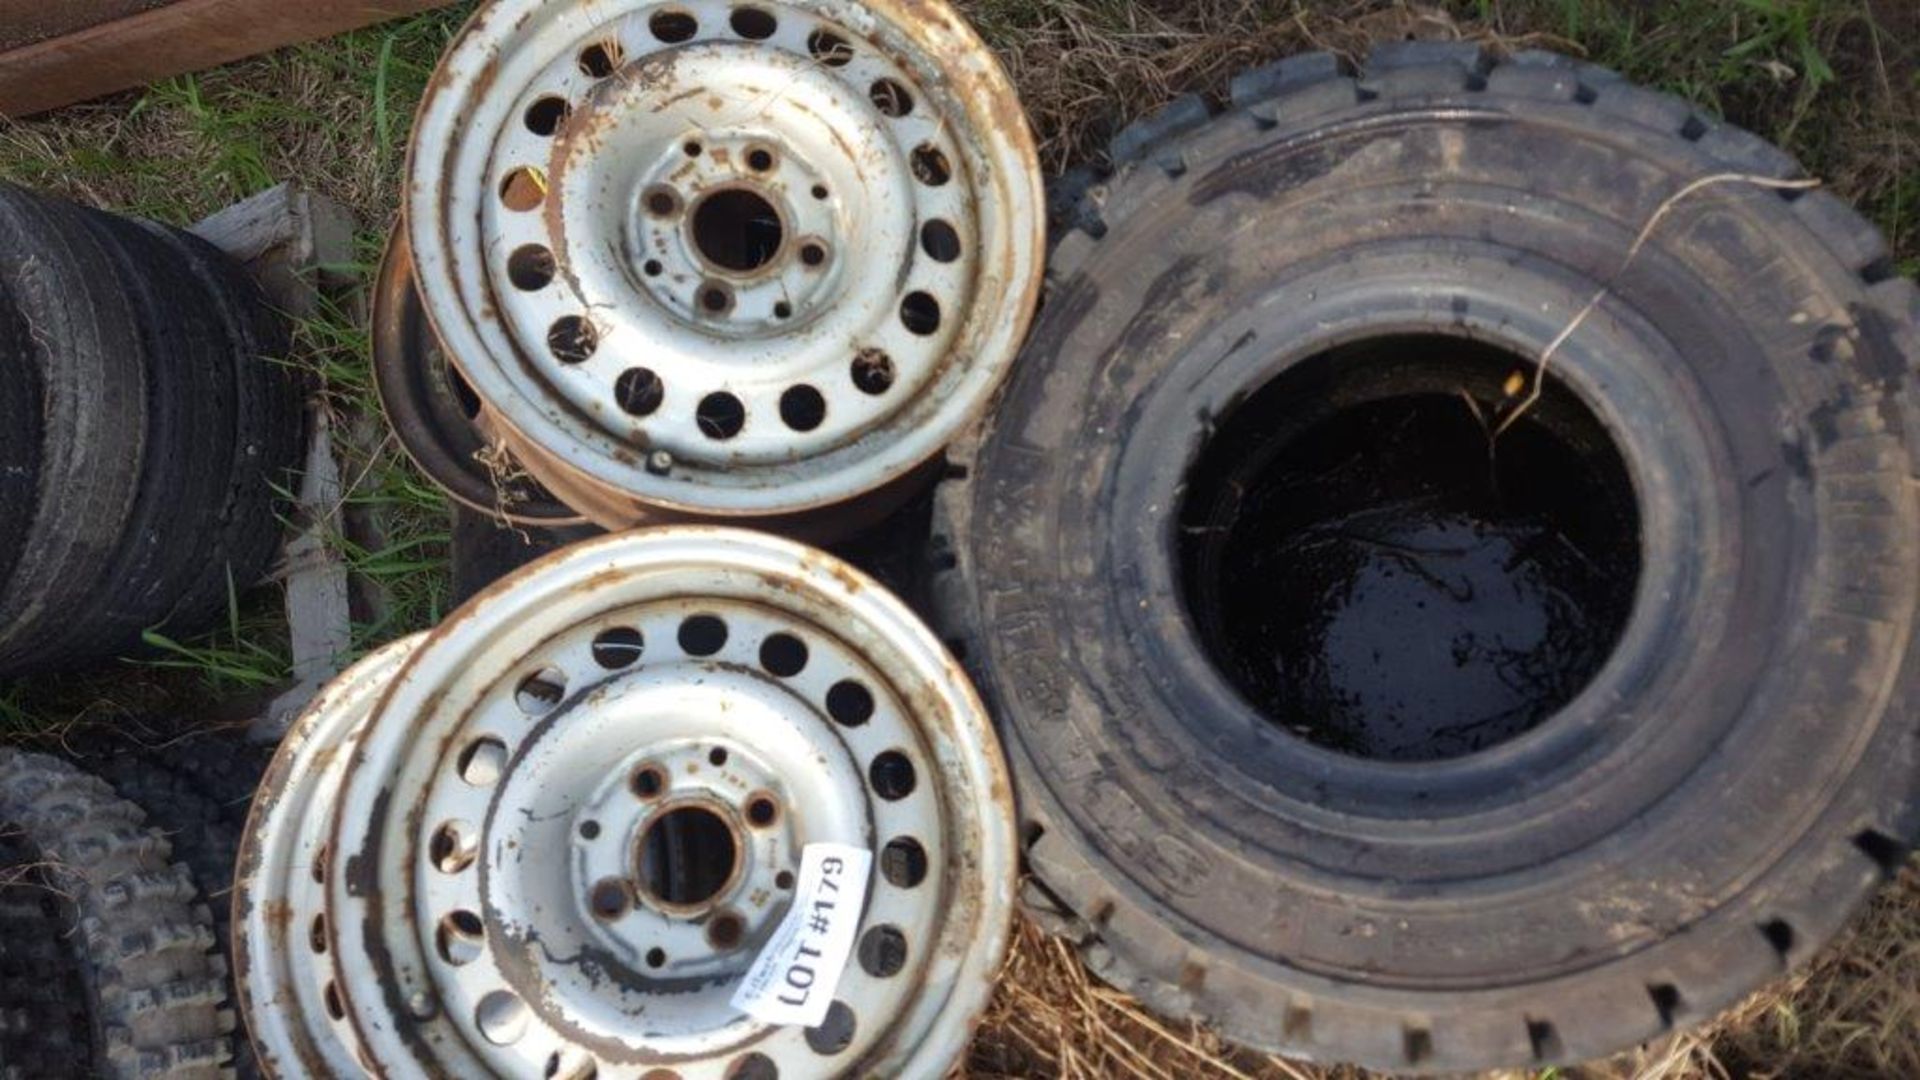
x=145 y=432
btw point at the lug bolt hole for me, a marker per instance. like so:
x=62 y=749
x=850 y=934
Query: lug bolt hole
x=762 y=811
x=649 y=781
x=726 y=930
x=609 y=899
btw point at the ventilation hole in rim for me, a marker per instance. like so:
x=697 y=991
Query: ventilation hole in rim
x=883 y=951
x=502 y=1017
x=530 y=268
x=940 y=240
x=783 y=879
x=691 y=148
x=892 y=776
x=317 y=869
x=656 y=957
x=835 y=1033
x=903 y=862
x=540 y=691
x=702 y=635
x=721 y=415
x=930 y=165
x=639 y=391
x=618 y=647
x=890 y=97
x=920 y=313
x=673 y=27
x=589 y=829
x=459 y=937
x=453 y=846
x=820 y=191
x=482 y=761
x=829 y=48
x=334 y=1007
x=754 y=1066
x=849 y=703
x=317 y=933
x=762 y=811
x=572 y=339
x=873 y=371
x=653 y=268
x=783 y=655
x=524 y=188
x=601 y=58
x=754 y=24
x=783 y=310
x=717 y=756
x=546 y=114
x=802 y=408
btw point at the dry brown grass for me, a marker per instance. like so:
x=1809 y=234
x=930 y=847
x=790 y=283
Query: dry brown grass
x=1853 y=1012
x=334 y=116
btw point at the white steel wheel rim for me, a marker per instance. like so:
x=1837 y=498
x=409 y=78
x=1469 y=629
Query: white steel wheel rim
x=473 y=785
x=287 y=945
x=818 y=381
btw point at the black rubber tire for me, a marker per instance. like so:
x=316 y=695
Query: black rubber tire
x=84 y=343
x=268 y=427
x=158 y=429
x=162 y=546
x=1721 y=799
x=45 y=1030
x=196 y=789
x=21 y=402
x=145 y=937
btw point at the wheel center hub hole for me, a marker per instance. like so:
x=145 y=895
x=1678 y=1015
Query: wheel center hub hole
x=737 y=229
x=1377 y=574
x=686 y=856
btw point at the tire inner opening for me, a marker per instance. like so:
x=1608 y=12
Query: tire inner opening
x=736 y=229
x=686 y=856
x=1379 y=576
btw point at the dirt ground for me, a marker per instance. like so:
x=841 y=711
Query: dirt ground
x=1835 y=81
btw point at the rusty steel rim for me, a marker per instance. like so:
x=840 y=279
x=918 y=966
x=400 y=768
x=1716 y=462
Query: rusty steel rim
x=289 y=981
x=574 y=816
x=733 y=260
x=438 y=420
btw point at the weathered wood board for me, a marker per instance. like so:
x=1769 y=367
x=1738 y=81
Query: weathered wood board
x=64 y=51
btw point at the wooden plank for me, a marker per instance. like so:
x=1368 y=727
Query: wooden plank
x=186 y=35
x=23 y=22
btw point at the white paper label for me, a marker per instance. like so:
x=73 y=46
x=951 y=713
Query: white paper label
x=793 y=979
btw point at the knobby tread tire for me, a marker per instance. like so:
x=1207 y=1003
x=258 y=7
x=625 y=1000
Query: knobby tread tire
x=196 y=789
x=45 y=1030
x=1082 y=886
x=156 y=986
